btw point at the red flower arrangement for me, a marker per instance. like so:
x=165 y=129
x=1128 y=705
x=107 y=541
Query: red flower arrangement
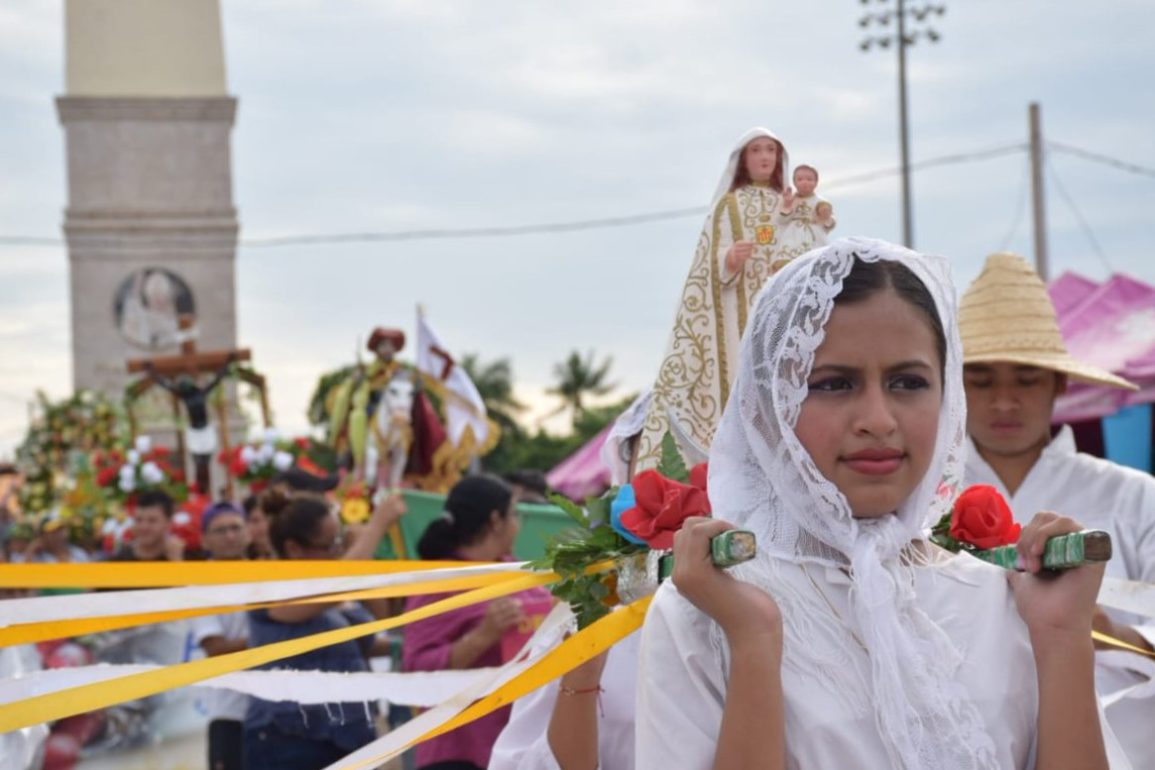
x=257 y=464
x=625 y=522
x=662 y=504
x=980 y=519
x=123 y=474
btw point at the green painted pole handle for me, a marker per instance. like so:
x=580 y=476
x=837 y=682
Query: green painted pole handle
x=1062 y=552
x=733 y=546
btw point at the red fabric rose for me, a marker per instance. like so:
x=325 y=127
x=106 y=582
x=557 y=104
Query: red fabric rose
x=698 y=476
x=106 y=476
x=661 y=505
x=982 y=518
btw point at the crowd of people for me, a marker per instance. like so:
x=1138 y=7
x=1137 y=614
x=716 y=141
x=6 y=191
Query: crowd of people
x=845 y=396
x=294 y=519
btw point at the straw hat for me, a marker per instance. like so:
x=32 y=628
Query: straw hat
x=1006 y=315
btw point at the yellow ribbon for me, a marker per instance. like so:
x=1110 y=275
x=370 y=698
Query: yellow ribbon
x=1105 y=639
x=23 y=633
x=200 y=573
x=582 y=646
x=97 y=695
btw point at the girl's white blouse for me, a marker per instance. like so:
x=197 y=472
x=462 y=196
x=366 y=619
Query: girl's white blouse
x=683 y=674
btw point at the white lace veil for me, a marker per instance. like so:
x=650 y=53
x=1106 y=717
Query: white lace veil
x=762 y=479
x=727 y=178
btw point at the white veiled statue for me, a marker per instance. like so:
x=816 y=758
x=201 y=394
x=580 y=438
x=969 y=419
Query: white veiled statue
x=701 y=357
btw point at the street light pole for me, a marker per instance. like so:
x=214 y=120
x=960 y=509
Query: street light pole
x=901 y=40
x=903 y=132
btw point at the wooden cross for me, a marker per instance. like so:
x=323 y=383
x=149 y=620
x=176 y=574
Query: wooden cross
x=194 y=363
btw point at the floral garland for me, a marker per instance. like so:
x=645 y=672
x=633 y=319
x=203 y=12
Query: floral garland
x=125 y=474
x=625 y=521
x=65 y=431
x=256 y=464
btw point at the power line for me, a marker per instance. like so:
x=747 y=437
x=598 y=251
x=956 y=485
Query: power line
x=1020 y=205
x=1106 y=160
x=477 y=232
x=552 y=227
x=1079 y=217
x=589 y=224
x=942 y=160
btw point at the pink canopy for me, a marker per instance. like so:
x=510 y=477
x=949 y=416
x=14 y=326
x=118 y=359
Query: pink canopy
x=583 y=473
x=1111 y=325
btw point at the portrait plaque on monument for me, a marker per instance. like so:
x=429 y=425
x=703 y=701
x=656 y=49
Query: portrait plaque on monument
x=148 y=305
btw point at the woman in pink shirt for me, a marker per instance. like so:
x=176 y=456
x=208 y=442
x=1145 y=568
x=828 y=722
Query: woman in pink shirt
x=479 y=523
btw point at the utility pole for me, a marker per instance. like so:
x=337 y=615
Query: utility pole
x=901 y=40
x=1038 y=201
x=903 y=130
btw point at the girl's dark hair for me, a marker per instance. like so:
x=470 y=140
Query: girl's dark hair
x=467 y=513
x=742 y=176
x=866 y=279
x=294 y=518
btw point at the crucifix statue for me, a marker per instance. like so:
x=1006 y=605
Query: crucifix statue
x=180 y=375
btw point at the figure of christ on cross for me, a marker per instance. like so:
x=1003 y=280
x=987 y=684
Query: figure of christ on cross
x=179 y=375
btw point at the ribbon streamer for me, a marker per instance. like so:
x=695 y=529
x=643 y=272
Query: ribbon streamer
x=1142 y=667
x=516 y=679
x=58 y=629
x=416 y=688
x=1128 y=595
x=190 y=573
x=90 y=697
x=112 y=603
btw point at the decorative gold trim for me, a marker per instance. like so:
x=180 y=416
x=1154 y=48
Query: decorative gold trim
x=736 y=226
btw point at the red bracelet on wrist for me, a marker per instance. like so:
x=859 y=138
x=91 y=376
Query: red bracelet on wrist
x=584 y=691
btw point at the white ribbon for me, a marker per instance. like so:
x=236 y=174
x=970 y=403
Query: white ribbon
x=1136 y=664
x=418 y=688
x=392 y=744
x=103 y=604
x=1128 y=596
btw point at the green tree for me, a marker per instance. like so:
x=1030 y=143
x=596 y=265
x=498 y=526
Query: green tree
x=542 y=450
x=494 y=381
x=321 y=402
x=579 y=378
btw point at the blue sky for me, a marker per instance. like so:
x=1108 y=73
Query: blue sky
x=365 y=115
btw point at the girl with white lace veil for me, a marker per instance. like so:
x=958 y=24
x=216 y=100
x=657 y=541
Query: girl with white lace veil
x=850 y=641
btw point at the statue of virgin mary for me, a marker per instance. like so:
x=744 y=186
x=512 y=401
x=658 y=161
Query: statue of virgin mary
x=736 y=249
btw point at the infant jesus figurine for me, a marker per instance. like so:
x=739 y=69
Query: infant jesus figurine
x=804 y=218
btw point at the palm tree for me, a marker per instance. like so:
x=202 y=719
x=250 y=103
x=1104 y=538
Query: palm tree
x=494 y=381
x=579 y=378
x=321 y=401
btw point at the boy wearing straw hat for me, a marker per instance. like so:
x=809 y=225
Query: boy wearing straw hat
x=1015 y=366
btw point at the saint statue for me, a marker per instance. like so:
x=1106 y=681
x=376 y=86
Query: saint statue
x=737 y=249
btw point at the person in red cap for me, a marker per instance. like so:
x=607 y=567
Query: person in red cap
x=386 y=342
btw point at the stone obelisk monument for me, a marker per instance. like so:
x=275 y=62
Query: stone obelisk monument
x=150 y=223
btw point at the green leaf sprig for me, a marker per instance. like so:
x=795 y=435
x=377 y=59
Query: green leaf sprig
x=592 y=540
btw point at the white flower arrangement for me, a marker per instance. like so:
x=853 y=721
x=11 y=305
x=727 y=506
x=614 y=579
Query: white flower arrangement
x=262 y=460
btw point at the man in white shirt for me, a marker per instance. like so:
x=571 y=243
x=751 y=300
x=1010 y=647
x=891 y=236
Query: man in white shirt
x=1015 y=366
x=226 y=537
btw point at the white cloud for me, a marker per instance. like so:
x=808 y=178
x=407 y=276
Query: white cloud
x=370 y=115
